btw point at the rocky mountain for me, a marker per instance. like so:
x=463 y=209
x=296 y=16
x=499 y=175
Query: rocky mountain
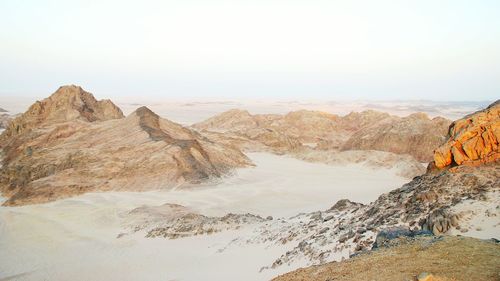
x=3 y=110
x=472 y=140
x=68 y=103
x=70 y=144
x=294 y=129
x=249 y=132
x=316 y=136
x=416 y=135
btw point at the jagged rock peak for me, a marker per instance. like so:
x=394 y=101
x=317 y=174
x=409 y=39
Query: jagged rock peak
x=145 y=112
x=69 y=98
x=472 y=140
x=66 y=104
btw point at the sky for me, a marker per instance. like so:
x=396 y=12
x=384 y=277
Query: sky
x=332 y=50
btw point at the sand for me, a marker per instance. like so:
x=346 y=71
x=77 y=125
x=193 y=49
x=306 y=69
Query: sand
x=75 y=238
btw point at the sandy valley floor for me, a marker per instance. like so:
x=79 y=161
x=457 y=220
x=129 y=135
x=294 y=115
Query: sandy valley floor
x=75 y=239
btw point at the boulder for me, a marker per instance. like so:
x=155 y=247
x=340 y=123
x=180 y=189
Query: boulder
x=440 y=221
x=394 y=236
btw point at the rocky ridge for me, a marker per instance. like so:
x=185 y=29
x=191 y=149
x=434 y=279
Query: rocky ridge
x=175 y=221
x=70 y=144
x=292 y=133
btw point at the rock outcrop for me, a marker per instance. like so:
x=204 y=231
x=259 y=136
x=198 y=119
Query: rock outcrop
x=71 y=144
x=472 y=140
x=175 y=221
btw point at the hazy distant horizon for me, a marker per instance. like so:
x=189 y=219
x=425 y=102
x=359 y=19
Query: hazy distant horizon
x=188 y=110
x=382 y=50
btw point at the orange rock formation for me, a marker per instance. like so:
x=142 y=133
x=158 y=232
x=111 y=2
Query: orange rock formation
x=472 y=140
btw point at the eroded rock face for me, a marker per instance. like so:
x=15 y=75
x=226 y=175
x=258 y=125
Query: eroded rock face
x=79 y=146
x=472 y=140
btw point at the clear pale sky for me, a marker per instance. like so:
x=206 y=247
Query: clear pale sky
x=437 y=50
